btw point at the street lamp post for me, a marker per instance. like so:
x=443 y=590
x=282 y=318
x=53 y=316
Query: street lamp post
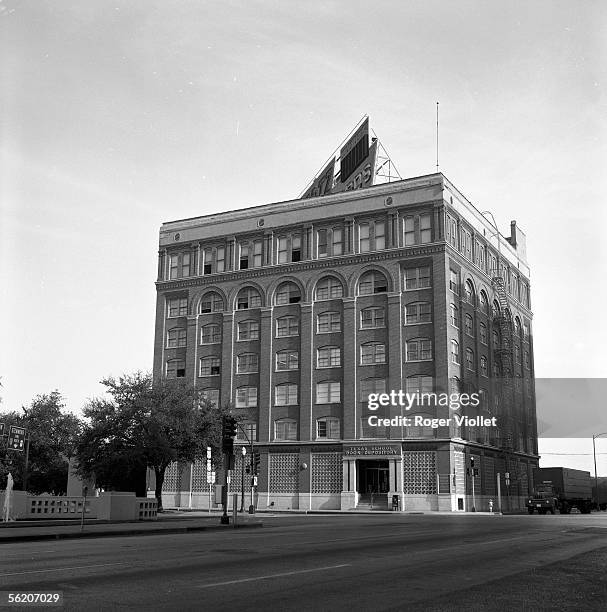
x=596 y=477
x=243 y=453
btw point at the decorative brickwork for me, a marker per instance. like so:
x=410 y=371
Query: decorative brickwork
x=284 y=473
x=172 y=478
x=419 y=472
x=199 y=476
x=326 y=473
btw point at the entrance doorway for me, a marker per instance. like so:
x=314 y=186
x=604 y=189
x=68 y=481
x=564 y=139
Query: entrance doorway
x=373 y=477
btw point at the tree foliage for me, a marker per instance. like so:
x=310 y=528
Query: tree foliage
x=145 y=424
x=53 y=435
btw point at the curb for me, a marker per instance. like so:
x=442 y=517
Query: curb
x=124 y=532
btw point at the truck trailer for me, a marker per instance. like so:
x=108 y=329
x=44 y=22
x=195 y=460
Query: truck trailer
x=560 y=489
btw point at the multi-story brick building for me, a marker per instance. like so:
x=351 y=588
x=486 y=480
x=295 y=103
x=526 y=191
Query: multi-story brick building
x=296 y=311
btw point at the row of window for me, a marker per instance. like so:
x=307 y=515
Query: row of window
x=479 y=254
x=289 y=293
x=329 y=242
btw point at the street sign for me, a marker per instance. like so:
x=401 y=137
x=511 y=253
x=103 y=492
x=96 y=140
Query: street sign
x=210 y=477
x=208 y=452
x=16 y=438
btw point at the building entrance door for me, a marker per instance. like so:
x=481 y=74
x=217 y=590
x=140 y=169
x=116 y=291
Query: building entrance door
x=373 y=477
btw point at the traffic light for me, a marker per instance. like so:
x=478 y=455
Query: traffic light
x=472 y=462
x=228 y=433
x=256 y=459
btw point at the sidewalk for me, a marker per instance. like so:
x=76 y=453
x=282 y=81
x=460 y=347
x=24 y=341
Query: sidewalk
x=169 y=523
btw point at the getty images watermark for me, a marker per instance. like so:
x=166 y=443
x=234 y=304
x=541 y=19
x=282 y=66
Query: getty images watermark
x=454 y=401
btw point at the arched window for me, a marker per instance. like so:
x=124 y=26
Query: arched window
x=518 y=330
x=496 y=338
x=470 y=359
x=470 y=293
x=210 y=334
x=469 y=325
x=455 y=385
x=248 y=297
x=247 y=363
x=287 y=293
x=175 y=368
x=495 y=309
x=454 y=351
x=285 y=429
x=328 y=322
x=372 y=353
x=328 y=357
x=287 y=326
x=246 y=397
x=176 y=337
x=418 y=312
x=285 y=395
x=248 y=330
x=419 y=349
x=372 y=282
x=211 y=302
x=371 y=318
x=327 y=428
x=419 y=384
x=210 y=366
x=484 y=302
x=483 y=362
x=328 y=288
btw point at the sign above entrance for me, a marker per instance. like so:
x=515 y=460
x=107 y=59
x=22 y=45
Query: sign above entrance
x=372 y=451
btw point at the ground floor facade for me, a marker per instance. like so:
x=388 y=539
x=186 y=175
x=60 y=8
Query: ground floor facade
x=446 y=475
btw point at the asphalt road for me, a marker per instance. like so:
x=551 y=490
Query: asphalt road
x=337 y=562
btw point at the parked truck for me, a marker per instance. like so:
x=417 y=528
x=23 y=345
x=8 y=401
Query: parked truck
x=560 y=489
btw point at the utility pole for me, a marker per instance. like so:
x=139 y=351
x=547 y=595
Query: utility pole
x=596 y=477
x=243 y=453
x=228 y=433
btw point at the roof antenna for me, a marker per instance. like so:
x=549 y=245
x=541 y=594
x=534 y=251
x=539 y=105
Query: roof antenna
x=437 y=136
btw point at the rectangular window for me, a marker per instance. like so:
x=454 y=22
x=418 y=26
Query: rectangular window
x=283 y=252
x=418 y=313
x=287 y=326
x=328 y=322
x=454 y=281
x=372 y=317
x=176 y=338
x=371 y=385
x=417 y=278
x=207 y=266
x=248 y=330
x=425 y=228
x=420 y=384
x=173 y=266
x=380 y=235
x=419 y=350
x=328 y=357
x=285 y=430
x=364 y=243
x=285 y=395
x=175 y=368
x=372 y=353
x=210 y=334
x=221 y=259
x=210 y=366
x=246 y=397
x=287 y=360
x=247 y=431
x=409 y=231
x=185 y=264
x=212 y=395
x=257 y=247
x=323 y=250
x=244 y=256
x=338 y=241
x=247 y=363
x=327 y=428
x=178 y=307
x=328 y=393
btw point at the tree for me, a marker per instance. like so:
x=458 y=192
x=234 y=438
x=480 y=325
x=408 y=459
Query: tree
x=53 y=434
x=145 y=424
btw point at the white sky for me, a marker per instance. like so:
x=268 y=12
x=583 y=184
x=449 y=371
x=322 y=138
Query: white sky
x=117 y=116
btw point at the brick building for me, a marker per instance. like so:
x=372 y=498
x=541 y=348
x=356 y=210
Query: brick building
x=297 y=311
